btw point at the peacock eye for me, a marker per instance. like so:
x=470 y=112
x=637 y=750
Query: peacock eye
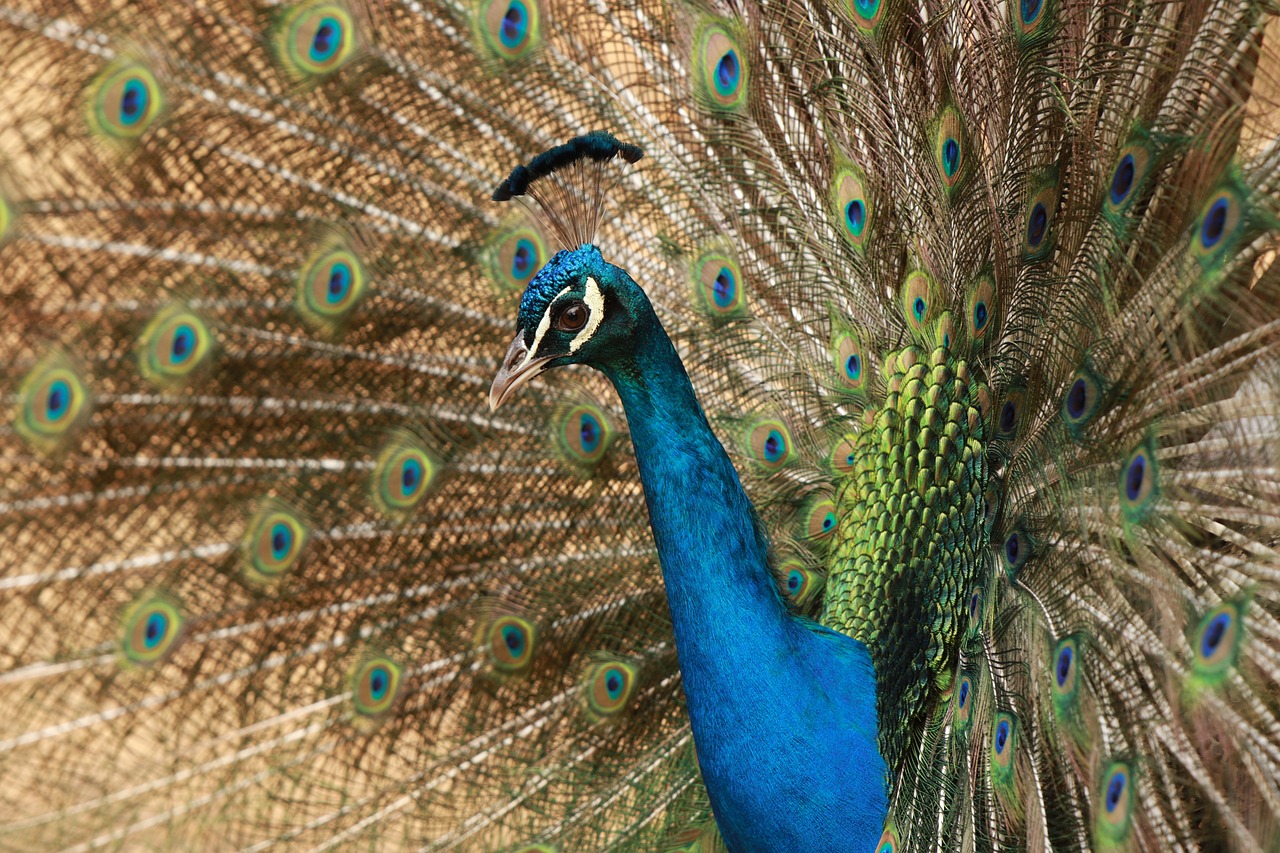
x=572 y=318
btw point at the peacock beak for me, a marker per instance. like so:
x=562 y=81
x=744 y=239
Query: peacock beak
x=517 y=369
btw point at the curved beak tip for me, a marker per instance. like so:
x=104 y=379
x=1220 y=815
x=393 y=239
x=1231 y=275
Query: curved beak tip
x=517 y=369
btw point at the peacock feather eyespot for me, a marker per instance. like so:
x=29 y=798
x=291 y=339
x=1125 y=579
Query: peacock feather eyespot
x=607 y=687
x=124 y=101
x=150 y=630
x=582 y=433
x=1139 y=482
x=331 y=285
x=509 y=29
x=949 y=149
x=1114 y=804
x=1004 y=748
x=1065 y=675
x=374 y=685
x=819 y=519
x=514 y=255
x=980 y=308
x=964 y=699
x=921 y=301
x=53 y=403
x=1032 y=18
x=1037 y=235
x=1016 y=550
x=1010 y=414
x=402 y=475
x=1122 y=180
x=990 y=505
x=509 y=642
x=889 y=842
x=843 y=458
x=312 y=40
x=175 y=345
x=975 y=612
x=1219 y=227
x=1215 y=643
x=768 y=443
x=1128 y=177
x=800 y=584
x=851 y=206
x=722 y=71
x=850 y=362
x=1081 y=402
x=274 y=542
x=717 y=286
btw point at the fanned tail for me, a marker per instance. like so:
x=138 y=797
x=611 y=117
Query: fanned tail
x=274 y=574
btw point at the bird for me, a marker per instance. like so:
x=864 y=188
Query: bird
x=914 y=360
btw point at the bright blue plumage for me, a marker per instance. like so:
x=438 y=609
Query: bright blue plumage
x=783 y=710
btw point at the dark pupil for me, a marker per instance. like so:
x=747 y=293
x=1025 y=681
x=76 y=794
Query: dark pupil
x=335 y=282
x=1213 y=636
x=522 y=259
x=180 y=345
x=723 y=286
x=1064 y=666
x=1002 y=735
x=574 y=317
x=1076 y=399
x=727 y=69
x=410 y=477
x=278 y=541
x=1215 y=222
x=964 y=692
x=1038 y=224
x=511 y=22
x=973 y=606
x=1137 y=472
x=1007 y=416
x=793 y=582
x=1012 y=547
x=154 y=626
x=56 y=401
x=855 y=212
x=1122 y=181
x=1114 y=790
x=513 y=640
x=950 y=154
x=853 y=365
x=771 y=444
x=612 y=683
x=587 y=431
x=827 y=522
x=324 y=38
x=130 y=103
x=980 y=314
x=918 y=307
x=378 y=681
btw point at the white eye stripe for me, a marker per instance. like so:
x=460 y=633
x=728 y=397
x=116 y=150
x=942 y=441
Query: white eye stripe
x=543 y=325
x=595 y=305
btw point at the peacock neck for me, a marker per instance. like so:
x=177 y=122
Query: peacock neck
x=713 y=555
x=752 y=673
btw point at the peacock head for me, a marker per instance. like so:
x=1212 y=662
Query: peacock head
x=578 y=309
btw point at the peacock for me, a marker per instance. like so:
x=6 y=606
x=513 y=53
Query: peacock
x=679 y=425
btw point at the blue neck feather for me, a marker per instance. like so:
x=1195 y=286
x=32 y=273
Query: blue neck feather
x=783 y=711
